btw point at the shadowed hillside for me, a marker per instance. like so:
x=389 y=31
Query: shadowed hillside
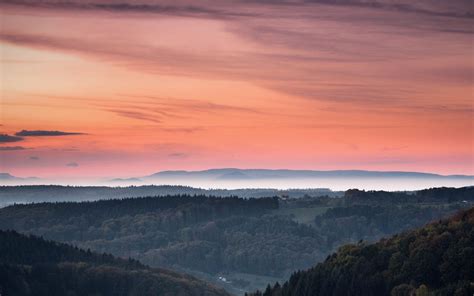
x=437 y=259
x=249 y=242
x=56 y=193
x=30 y=265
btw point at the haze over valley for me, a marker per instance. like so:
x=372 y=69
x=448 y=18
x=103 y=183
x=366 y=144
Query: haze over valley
x=232 y=178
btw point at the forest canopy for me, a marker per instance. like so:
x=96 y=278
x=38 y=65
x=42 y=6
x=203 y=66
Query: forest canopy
x=437 y=259
x=238 y=238
x=30 y=265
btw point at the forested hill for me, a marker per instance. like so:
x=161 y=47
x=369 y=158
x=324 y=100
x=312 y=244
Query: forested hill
x=191 y=209
x=30 y=265
x=250 y=242
x=437 y=259
x=439 y=195
x=56 y=193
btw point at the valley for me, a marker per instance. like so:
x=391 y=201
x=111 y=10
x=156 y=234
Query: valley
x=240 y=244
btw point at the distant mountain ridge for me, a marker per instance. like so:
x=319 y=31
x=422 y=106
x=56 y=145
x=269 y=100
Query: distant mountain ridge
x=232 y=178
x=10 y=177
x=6 y=176
x=282 y=179
x=235 y=173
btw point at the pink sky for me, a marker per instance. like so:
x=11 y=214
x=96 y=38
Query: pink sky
x=160 y=85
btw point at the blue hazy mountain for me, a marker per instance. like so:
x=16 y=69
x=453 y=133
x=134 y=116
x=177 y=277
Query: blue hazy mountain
x=6 y=177
x=245 y=174
x=284 y=179
x=233 y=178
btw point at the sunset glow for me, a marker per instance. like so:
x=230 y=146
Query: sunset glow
x=164 y=85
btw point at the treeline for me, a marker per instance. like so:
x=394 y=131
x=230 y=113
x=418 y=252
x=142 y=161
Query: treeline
x=209 y=234
x=444 y=194
x=33 y=266
x=437 y=259
x=16 y=248
x=372 y=222
x=56 y=193
x=189 y=209
x=440 y=195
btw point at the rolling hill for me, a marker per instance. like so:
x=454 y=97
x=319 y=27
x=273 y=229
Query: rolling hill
x=234 y=173
x=30 y=265
x=250 y=242
x=437 y=259
x=284 y=179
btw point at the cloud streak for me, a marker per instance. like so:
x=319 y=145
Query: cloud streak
x=159 y=110
x=249 y=82
x=304 y=54
x=222 y=9
x=12 y=148
x=178 y=155
x=189 y=9
x=4 y=138
x=43 y=133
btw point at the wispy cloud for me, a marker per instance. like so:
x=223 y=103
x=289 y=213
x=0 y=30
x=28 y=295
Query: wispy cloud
x=393 y=148
x=139 y=115
x=178 y=155
x=43 y=133
x=160 y=110
x=222 y=9
x=307 y=46
x=4 y=138
x=185 y=8
x=11 y=148
x=187 y=130
x=72 y=164
x=353 y=69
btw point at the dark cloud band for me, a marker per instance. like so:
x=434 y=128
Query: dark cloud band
x=12 y=148
x=4 y=138
x=455 y=8
x=42 y=133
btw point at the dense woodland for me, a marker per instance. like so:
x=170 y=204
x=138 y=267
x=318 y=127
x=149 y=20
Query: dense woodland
x=437 y=259
x=30 y=265
x=56 y=193
x=437 y=195
x=233 y=236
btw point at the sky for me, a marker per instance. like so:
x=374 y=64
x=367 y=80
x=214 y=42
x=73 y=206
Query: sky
x=102 y=88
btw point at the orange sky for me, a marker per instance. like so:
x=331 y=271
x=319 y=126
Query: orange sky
x=159 y=85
